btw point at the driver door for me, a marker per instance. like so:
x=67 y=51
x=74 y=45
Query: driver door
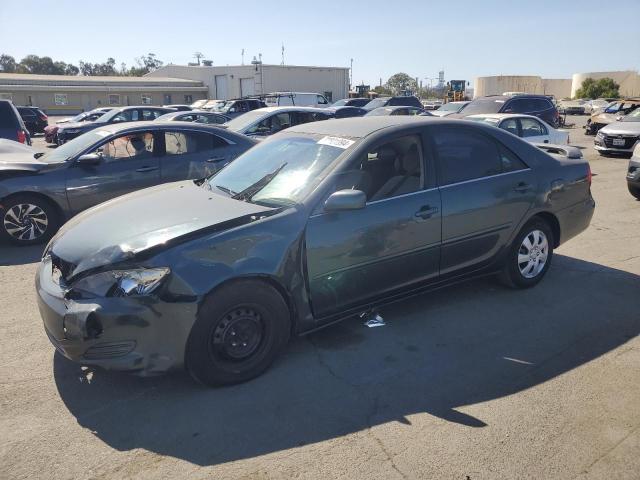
x=129 y=162
x=356 y=256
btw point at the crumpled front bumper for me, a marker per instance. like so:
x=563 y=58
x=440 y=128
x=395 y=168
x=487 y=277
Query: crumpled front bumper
x=142 y=334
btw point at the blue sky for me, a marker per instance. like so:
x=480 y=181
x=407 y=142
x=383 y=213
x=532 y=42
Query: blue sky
x=484 y=37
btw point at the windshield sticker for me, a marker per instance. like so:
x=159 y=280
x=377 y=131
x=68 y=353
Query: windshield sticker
x=103 y=133
x=339 y=142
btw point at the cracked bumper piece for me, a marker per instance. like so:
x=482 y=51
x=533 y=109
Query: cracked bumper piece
x=142 y=334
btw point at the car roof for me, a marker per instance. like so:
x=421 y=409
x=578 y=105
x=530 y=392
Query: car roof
x=119 y=127
x=291 y=108
x=362 y=126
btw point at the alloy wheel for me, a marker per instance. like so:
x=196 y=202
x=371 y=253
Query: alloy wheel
x=533 y=254
x=25 y=221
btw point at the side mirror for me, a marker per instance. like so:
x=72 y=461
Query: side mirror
x=89 y=159
x=345 y=200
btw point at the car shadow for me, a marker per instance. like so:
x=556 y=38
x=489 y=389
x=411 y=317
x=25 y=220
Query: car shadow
x=439 y=354
x=11 y=255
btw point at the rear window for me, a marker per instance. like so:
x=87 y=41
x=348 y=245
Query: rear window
x=7 y=116
x=484 y=105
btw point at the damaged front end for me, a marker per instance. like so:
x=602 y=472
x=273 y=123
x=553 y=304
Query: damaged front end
x=120 y=319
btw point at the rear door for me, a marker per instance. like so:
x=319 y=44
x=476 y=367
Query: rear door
x=394 y=241
x=192 y=154
x=486 y=191
x=129 y=162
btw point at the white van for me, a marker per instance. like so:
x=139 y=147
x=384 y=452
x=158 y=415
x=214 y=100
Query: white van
x=299 y=99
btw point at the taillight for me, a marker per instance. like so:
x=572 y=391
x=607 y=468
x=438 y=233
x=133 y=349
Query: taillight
x=22 y=137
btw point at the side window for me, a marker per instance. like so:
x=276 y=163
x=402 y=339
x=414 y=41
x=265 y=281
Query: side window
x=387 y=170
x=510 y=125
x=539 y=105
x=272 y=124
x=510 y=162
x=531 y=128
x=126 y=116
x=516 y=106
x=150 y=114
x=465 y=155
x=182 y=142
x=322 y=100
x=126 y=147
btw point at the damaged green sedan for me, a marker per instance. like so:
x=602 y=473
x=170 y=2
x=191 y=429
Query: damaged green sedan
x=315 y=224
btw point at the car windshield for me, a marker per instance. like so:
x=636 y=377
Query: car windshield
x=282 y=170
x=484 y=105
x=340 y=103
x=490 y=120
x=633 y=116
x=614 y=108
x=380 y=112
x=451 y=107
x=245 y=120
x=375 y=103
x=71 y=148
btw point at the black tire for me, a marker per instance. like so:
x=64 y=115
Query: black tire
x=228 y=314
x=22 y=218
x=635 y=191
x=512 y=275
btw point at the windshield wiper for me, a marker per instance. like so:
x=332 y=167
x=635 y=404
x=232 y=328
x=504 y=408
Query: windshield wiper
x=254 y=188
x=226 y=190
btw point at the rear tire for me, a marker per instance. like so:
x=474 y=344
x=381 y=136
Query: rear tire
x=28 y=220
x=635 y=191
x=530 y=255
x=239 y=331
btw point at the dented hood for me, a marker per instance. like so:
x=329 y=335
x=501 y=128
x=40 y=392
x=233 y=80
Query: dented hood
x=16 y=156
x=120 y=228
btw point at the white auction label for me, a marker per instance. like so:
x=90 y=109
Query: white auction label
x=339 y=142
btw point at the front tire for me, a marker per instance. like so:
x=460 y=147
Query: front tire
x=635 y=191
x=530 y=255
x=28 y=220
x=239 y=331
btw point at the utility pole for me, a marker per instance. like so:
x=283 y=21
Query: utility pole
x=351 y=76
x=243 y=56
x=198 y=56
x=282 y=62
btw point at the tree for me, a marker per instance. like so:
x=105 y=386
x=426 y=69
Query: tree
x=382 y=91
x=7 y=63
x=604 y=87
x=400 y=82
x=146 y=64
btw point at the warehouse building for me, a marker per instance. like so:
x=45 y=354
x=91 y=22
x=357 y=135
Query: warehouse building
x=258 y=78
x=62 y=94
x=629 y=82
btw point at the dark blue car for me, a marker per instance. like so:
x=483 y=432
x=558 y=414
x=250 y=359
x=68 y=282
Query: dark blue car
x=12 y=126
x=539 y=105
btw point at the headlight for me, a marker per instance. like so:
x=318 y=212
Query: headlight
x=122 y=283
x=600 y=135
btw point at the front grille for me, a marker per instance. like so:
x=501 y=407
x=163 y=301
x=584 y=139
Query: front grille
x=629 y=141
x=109 y=350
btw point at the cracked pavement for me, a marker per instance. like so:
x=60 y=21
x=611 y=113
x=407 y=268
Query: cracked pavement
x=473 y=381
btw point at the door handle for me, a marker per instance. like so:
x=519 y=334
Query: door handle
x=146 y=169
x=426 y=212
x=216 y=159
x=546 y=141
x=522 y=187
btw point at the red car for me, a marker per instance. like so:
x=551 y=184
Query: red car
x=51 y=131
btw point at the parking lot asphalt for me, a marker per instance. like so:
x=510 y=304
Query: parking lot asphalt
x=471 y=382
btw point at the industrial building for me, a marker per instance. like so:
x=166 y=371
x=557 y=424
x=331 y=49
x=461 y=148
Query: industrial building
x=258 y=78
x=62 y=94
x=629 y=82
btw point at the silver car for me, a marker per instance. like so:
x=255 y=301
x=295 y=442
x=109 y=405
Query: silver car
x=619 y=137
